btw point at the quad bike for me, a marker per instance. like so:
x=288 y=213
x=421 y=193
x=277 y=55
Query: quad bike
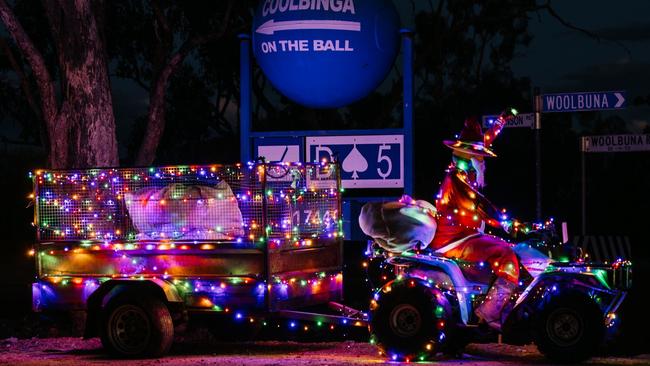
x=427 y=307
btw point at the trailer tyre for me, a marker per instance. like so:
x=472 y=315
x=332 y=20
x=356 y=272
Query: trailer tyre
x=570 y=329
x=137 y=326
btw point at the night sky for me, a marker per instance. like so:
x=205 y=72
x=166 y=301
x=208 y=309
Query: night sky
x=562 y=60
x=557 y=60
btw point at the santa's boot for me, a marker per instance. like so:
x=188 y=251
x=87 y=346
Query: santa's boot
x=497 y=298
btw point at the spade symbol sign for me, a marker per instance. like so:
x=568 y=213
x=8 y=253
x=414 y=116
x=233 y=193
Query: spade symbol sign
x=355 y=163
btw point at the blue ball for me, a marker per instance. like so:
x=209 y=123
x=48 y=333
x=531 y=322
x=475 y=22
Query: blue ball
x=326 y=53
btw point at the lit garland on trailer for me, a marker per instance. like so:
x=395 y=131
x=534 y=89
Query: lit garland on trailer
x=92 y=204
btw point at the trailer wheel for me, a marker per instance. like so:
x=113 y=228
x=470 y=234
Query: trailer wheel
x=409 y=321
x=570 y=329
x=137 y=326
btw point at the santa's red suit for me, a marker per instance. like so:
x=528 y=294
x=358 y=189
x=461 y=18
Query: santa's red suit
x=463 y=213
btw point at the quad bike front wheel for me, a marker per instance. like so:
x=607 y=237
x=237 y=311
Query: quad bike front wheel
x=569 y=329
x=408 y=320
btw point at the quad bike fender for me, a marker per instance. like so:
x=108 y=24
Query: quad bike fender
x=550 y=284
x=518 y=323
x=420 y=285
x=428 y=269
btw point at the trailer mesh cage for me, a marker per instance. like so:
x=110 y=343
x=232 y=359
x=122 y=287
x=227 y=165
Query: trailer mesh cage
x=253 y=202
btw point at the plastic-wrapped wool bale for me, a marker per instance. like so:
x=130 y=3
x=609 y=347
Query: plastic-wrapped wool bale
x=179 y=211
x=399 y=225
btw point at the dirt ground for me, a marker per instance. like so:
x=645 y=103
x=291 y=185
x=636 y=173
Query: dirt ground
x=74 y=351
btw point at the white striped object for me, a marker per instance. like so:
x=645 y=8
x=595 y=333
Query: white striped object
x=603 y=249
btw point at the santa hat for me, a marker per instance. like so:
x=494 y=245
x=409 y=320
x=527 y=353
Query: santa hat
x=472 y=141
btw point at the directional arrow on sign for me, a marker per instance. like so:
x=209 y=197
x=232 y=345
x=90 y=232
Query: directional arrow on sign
x=620 y=100
x=272 y=26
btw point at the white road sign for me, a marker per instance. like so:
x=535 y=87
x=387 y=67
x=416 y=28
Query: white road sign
x=616 y=143
x=521 y=120
x=367 y=161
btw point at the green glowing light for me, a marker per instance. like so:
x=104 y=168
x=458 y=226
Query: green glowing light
x=462 y=165
x=440 y=311
x=601 y=275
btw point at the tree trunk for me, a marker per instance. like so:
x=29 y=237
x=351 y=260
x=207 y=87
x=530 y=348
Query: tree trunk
x=87 y=108
x=156 y=115
x=81 y=127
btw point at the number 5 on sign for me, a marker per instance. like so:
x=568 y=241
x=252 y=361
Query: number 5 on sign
x=389 y=163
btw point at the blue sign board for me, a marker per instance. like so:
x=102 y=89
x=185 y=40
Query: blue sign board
x=326 y=53
x=585 y=101
x=369 y=161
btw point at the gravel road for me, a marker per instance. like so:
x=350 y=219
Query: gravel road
x=74 y=351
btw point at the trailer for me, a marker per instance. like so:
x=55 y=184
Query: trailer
x=143 y=250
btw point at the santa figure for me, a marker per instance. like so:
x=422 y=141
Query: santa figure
x=464 y=213
x=456 y=226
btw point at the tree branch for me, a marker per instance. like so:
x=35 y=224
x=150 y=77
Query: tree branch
x=36 y=62
x=156 y=117
x=24 y=85
x=552 y=12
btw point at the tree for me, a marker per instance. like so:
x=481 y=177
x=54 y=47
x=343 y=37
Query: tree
x=79 y=121
x=151 y=40
x=148 y=42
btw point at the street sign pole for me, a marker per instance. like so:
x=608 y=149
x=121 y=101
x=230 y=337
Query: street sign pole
x=606 y=144
x=407 y=75
x=538 y=154
x=245 y=106
x=583 y=170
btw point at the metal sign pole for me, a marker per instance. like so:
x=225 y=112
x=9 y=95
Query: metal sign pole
x=538 y=154
x=245 y=104
x=583 y=169
x=407 y=75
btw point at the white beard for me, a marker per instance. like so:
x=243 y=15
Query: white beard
x=479 y=167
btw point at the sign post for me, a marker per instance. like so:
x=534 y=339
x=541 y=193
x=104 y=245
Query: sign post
x=606 y=144
x=408 y=76
x=570 y=102
x=322 y=55
x=538 y=155
x=583 y=173
x=245 y=106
